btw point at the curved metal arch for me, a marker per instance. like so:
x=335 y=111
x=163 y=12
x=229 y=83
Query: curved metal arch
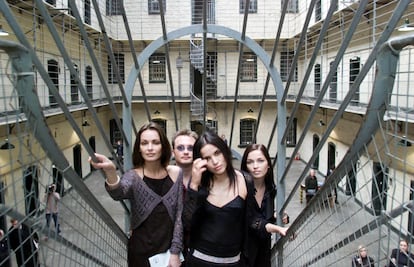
x=216 y=29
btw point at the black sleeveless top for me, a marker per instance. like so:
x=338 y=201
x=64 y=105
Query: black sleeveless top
x=155 y=233
x=219 y=231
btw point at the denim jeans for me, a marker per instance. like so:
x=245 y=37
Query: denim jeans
x=55 y=220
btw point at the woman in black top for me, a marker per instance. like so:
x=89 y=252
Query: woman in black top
x=362 y=259
x=215 y=206
x=256 y=161
x=154 y=189
x=401 y=257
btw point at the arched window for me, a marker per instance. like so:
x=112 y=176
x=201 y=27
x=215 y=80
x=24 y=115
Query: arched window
x=162 y=123
x=247 y=129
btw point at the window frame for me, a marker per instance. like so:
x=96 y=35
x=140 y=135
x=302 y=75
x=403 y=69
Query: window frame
x=113 y=7
x=87 y=12
x=154 y=8
x=248 y=68
x=252 y=6
x=120 y=62
x=286 y=60
x=293 y=6
x=292 y=133
x=162 y=123
x=317 y=79
x=247 y=135
x=157 y=68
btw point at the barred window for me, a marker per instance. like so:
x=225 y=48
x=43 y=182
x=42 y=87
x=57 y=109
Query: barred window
x=113 y=7
x=317 y=80
x=154 y=7
x=157 y=72
x=291 y=134
x=120 y=62
x=87 y=11
x=286 y=61
x=293 y=6
x=89 y=81
x=248 y=71
x=252 y=6
x=318 y=10
x=53 y=71
x=247 y=129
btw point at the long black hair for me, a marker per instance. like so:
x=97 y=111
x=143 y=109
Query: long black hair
x=269 y=177
x=211 y=138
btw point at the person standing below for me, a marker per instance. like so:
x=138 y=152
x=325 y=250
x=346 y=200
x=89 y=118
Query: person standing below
x=24 y=244
x=154 y=189
x=401 y=257
x=215 y=206
x=120 y=151
x=52 y=199
x=4 y=251
x=224 y=138
x=362 y=259
x=328 y=173
x=256 y=161
x=183 y=143
x=311 y=185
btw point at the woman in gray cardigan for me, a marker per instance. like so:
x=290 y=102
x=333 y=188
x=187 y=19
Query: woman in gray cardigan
x=154 y=189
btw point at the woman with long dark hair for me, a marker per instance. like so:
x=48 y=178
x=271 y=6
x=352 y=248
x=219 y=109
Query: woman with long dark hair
x=215 y=206
x=154 y=189
x=256 y=161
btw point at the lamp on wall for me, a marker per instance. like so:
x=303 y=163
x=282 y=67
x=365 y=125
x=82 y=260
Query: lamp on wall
x=406 y=27
x=7 y=145
x=3 y=32
x=321 y=123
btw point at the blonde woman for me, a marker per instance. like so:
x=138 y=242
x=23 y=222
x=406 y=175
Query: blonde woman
x=362 y=259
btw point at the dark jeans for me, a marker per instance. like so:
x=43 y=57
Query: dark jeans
x=55 y=220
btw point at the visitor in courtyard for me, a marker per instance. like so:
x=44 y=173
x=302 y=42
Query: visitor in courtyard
x=401 y=257
x=154 y=189
x=4 y=250
x=328 y=173
x=120 y=151
x=362 y=259
x=51 y=200
x=24 y=244
x=256 y=161
x=311 y=185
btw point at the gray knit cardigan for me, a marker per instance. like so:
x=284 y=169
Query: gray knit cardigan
x=144 y=200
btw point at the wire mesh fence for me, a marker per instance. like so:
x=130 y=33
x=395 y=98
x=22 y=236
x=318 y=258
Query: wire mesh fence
x=54 y=105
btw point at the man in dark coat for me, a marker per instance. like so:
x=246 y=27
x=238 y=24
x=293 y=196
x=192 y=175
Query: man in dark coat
x=24 y=244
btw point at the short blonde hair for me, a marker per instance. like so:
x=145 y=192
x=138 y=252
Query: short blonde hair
x=360 y=247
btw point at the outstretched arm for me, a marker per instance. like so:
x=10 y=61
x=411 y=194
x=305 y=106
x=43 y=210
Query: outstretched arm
x=107 y=166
